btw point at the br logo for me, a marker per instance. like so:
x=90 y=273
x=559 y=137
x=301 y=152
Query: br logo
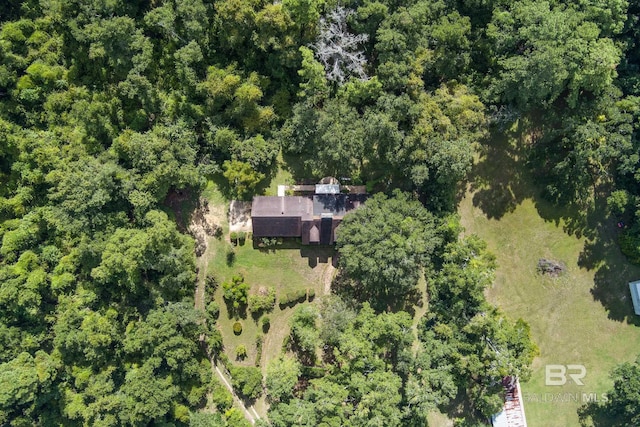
x=557 y=374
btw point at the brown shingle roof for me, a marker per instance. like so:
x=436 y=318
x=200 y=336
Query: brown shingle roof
x=287 y=206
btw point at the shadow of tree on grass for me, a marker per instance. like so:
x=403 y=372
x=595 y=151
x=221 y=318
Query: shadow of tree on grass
x=505 y=175
x=613 y=271
x=499 y=179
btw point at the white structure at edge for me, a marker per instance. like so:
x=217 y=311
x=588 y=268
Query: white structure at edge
x=634 y=287
x=512 y=414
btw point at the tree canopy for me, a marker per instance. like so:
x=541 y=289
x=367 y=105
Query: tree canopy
x=115 y=114
x=386 y=244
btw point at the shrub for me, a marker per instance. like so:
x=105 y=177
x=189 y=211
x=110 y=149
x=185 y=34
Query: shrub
x=267 y=242
x=211 y=284
x=258 y=349
x=235 y=291
x=237 y=328
x=233 y=236
x=293 y=297
x=311 y=294
x=241 y=352
x=242 y=237
x=630 y=243
x=266 y=323
x=263 y=302
x=213 y=311
x=222 y=398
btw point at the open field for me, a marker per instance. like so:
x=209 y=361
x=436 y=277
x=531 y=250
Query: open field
x=584 y=317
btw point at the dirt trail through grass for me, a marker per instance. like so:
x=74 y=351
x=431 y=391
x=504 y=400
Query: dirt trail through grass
x=203 y=221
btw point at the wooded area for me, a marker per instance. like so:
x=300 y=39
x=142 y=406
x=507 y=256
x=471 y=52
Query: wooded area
x=111 y=109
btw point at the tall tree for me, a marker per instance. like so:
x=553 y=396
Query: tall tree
x=385 y=245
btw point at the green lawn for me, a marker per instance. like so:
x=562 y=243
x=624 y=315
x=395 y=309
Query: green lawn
x=283 y=269
x=584 y=317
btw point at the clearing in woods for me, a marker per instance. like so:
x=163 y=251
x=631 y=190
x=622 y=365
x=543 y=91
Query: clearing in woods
x=283 y=269
x=583 y=317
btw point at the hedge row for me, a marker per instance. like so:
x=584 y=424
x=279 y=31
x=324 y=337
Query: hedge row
x=297 y=296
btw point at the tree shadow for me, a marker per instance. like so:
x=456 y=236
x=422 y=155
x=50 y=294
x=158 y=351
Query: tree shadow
x=181 y=204
x=235 y=313
x=299 y=168
x=265 y=182
x=499 y=179
x=349 y=289
x=315 y=254
x=597 y=414
x=613 y=271
x=460 y=408
x=509 y=171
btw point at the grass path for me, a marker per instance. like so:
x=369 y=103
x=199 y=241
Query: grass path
x=584 y=317
x=217 y=215
x=284 y=269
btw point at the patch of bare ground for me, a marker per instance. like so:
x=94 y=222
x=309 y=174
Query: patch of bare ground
x=206 y=223
x=327 y=277
x=240 y=216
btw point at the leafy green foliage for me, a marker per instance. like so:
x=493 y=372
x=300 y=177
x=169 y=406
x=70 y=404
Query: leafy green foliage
x=282 y=376
x=461 y=325
x=292 y=298
x=221 y=396
x=304 y=332
x=242 y=178
x=237 y=328
x=241 y=352
x=236 y=291
x=111 y=111
x=362 y=373
x=540 y=61
x=247 y=381
x=263 y=302
x=386 y=244
x=620 y=406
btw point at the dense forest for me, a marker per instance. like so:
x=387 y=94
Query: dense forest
x=112 y=109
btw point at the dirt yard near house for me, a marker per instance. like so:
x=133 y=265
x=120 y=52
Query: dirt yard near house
x=240 y=216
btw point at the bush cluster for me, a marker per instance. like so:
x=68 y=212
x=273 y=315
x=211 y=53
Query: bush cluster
x=263 y=303
x=238 y=237
x=297 y=296
x=241 y=352
x=237 y=328
x=266 y=323
x=258 y=349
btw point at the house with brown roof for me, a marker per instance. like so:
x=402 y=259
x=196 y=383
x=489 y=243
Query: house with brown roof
x=314 y=218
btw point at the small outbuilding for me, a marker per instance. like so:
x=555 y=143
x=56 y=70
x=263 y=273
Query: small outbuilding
x=634 y=287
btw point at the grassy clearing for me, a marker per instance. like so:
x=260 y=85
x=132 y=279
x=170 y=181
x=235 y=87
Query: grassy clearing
x=282 y=177
x=283 y=269
x=584 y=317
